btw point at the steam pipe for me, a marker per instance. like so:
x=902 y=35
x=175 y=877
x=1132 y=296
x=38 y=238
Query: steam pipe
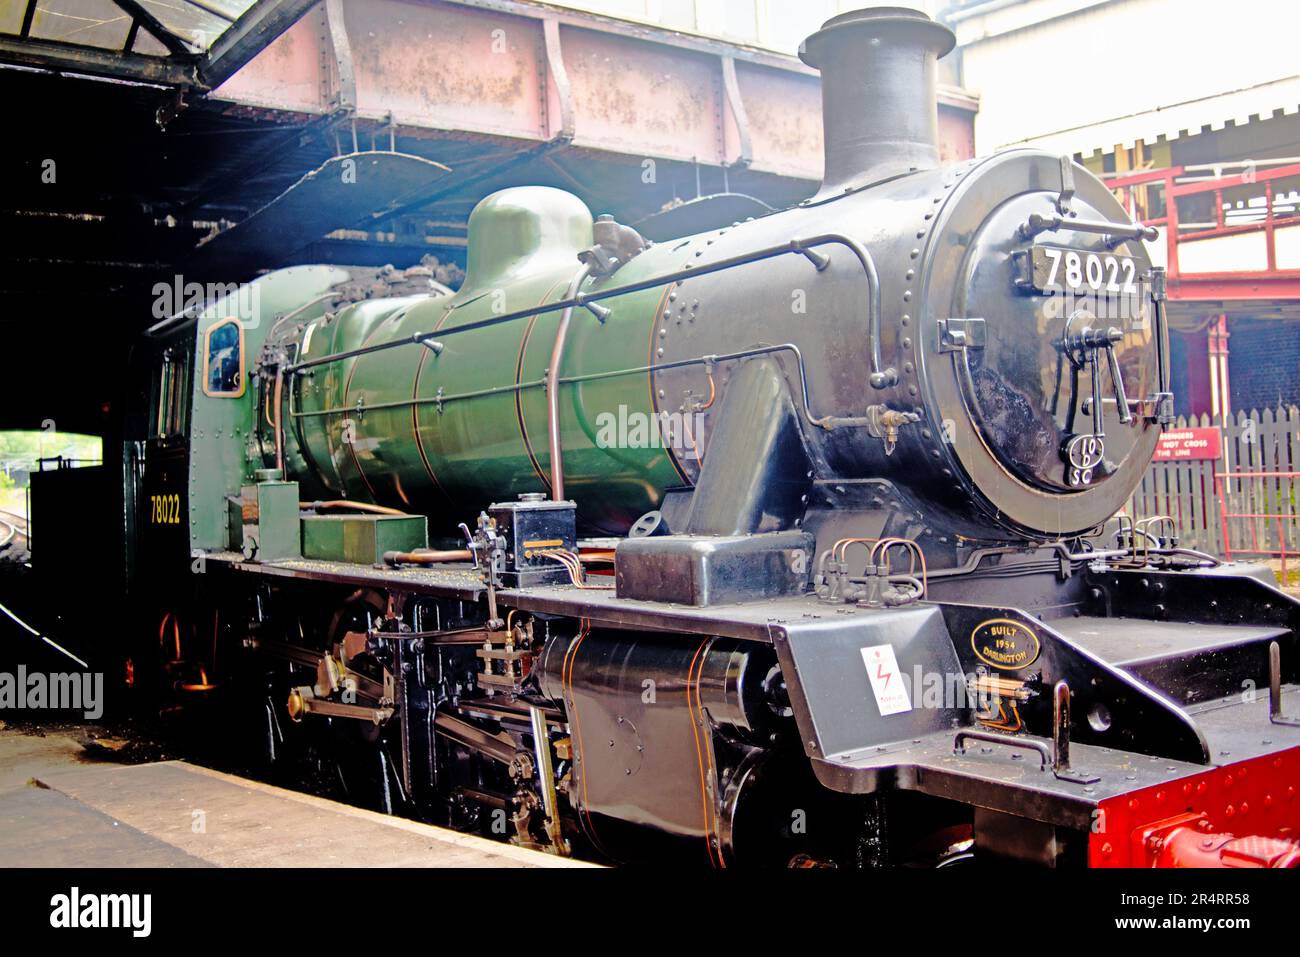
x=279 y=426
x=428 y=557
x=356 y=506
x=553 y=384
x=880 y=378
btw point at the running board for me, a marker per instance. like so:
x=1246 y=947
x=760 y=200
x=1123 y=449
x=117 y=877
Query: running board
x=1190 y=662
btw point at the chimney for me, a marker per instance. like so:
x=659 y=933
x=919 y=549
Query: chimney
x=879 y=110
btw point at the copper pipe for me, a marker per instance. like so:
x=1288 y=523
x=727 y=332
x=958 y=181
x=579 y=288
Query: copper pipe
x=427 y=557
x=279 y=428
x=553 y=386
x=358 y=506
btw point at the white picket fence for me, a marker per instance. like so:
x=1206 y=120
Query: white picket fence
x=1241 y=505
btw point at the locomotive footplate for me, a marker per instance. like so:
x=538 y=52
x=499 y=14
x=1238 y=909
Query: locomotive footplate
x=748 y=620
x=882 y=704
x=1011 y=775
x=459 y=581
x=1135 y=795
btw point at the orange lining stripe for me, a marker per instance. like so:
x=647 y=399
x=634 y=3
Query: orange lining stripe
x=415 y=408
x=650 y=377
x=699 y=751
x=566 y=684
x=699 y=708
x=519 y=393
x=347 y=387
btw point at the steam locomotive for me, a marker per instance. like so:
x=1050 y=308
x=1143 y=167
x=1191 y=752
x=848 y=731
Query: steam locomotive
x=790 y=543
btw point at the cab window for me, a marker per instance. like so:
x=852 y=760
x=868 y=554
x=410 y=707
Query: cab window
x=223 y=359
x=171 y=392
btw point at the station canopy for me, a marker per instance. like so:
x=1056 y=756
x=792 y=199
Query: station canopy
x=181 y=43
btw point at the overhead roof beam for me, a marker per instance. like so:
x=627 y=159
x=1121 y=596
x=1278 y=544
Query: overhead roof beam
x=93 y=61
x=28 y=15
x=209 y=8
x=248 y=36
x=174 y=44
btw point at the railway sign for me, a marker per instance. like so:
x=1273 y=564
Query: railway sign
x=1189 y=445
x=886 y=680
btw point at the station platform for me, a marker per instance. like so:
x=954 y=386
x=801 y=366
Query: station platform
x=57 y=810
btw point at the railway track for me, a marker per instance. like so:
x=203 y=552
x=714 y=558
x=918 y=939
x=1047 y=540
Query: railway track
x=13 y=529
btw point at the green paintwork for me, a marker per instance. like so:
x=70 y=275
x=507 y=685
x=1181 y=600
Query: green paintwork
x=361 y=539
x=221 y=429
x=451 y=459
x=372 y=428
x=270 y=521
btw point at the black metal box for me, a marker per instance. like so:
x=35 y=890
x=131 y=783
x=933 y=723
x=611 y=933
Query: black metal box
x=713 y=569
x=532 y=526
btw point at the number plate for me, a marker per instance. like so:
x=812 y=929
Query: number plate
x=1057 y=269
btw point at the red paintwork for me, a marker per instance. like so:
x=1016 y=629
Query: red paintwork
x=1219 y=286
x=1269 y=284
x=1186 y=842
x=1194 y=377
x=1254 y=798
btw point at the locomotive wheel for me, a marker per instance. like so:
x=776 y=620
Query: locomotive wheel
x=776 y=814
x=949 y=847
x=355 y=749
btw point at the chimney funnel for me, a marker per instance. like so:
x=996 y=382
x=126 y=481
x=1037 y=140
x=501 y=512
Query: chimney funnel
x=879 y=108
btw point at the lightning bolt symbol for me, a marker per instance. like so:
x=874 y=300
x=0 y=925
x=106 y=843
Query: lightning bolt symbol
x=881 y=673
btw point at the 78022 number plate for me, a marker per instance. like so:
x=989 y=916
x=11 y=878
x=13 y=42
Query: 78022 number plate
x=1058 y=269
